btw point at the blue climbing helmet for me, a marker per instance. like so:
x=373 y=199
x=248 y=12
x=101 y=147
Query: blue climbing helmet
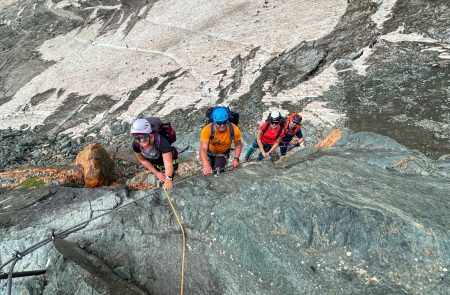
x=220 y=115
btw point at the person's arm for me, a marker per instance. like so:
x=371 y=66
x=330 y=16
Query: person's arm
x=168 y=167
x=300 y=139
x=147 y=165
x=237 y=153
x=260 y=144
x=275 y=145
x=204 y=157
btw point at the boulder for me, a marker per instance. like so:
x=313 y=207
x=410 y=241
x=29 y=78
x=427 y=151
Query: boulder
x=96 y=164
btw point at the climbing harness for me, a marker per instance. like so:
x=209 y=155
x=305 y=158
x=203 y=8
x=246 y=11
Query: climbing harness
x=161 y=167
x=225 y=154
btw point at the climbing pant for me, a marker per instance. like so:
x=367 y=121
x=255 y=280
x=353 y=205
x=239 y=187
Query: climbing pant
x=218 y=161
x=254 y=147
x=284 y=147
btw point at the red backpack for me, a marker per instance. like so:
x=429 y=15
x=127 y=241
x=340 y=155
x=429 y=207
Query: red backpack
x=164 y=129
x=289 y=120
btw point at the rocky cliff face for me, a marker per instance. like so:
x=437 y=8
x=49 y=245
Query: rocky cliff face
x=366 y=216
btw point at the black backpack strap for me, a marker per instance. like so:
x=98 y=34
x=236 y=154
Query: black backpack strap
x=212 y=131
x=266 y=128
x=279 y=131
x=157 y=141
x=231 y=131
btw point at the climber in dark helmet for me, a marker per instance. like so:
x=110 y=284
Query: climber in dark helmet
x=292 y=130
x=154 y=152
x=215 y=142
x=268 y=137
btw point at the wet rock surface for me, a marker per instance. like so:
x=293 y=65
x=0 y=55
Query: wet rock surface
x=367 y=215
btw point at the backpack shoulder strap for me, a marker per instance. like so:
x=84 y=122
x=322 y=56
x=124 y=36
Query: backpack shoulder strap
x=230 y=126
x=157 y=142
x=297 y=129
x=211 y=137
x=289 y=119
x=280 y=129
x=266 y=128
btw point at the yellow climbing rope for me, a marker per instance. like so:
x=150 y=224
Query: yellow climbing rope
x=184 y=241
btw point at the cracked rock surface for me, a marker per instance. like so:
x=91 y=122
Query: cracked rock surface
x=367 y=216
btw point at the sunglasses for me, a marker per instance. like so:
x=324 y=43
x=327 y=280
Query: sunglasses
x=141 y=137
x=275 y=123
x=221 y=123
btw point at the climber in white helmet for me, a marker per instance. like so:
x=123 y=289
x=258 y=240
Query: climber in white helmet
x=268 y=137
x=154 y=152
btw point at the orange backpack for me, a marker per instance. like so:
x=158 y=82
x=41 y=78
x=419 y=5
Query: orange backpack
x=289 y=120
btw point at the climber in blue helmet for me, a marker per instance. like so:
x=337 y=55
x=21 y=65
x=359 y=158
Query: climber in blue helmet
x=216 y=139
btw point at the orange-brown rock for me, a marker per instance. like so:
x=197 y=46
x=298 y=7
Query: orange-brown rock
x=330 y=140
x=403 y=162
x=96 y=164
x=46 y=176
x=144 y=180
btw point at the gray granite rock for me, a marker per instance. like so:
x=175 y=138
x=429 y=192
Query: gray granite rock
x=349 y=219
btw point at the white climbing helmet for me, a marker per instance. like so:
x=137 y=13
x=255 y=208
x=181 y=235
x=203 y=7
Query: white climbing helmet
x=141 y=126
x=275 y=116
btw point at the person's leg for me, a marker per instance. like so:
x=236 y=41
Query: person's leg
x=283 y=148
x=251 y=150
x=220 y=163
x=211 y=160
x=260 y=156
x=266 y=148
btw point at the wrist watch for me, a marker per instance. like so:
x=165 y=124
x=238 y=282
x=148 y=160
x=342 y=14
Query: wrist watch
x=236 y=158
x=169 y=177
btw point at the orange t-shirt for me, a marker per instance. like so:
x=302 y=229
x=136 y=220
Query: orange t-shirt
x=222 y=140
